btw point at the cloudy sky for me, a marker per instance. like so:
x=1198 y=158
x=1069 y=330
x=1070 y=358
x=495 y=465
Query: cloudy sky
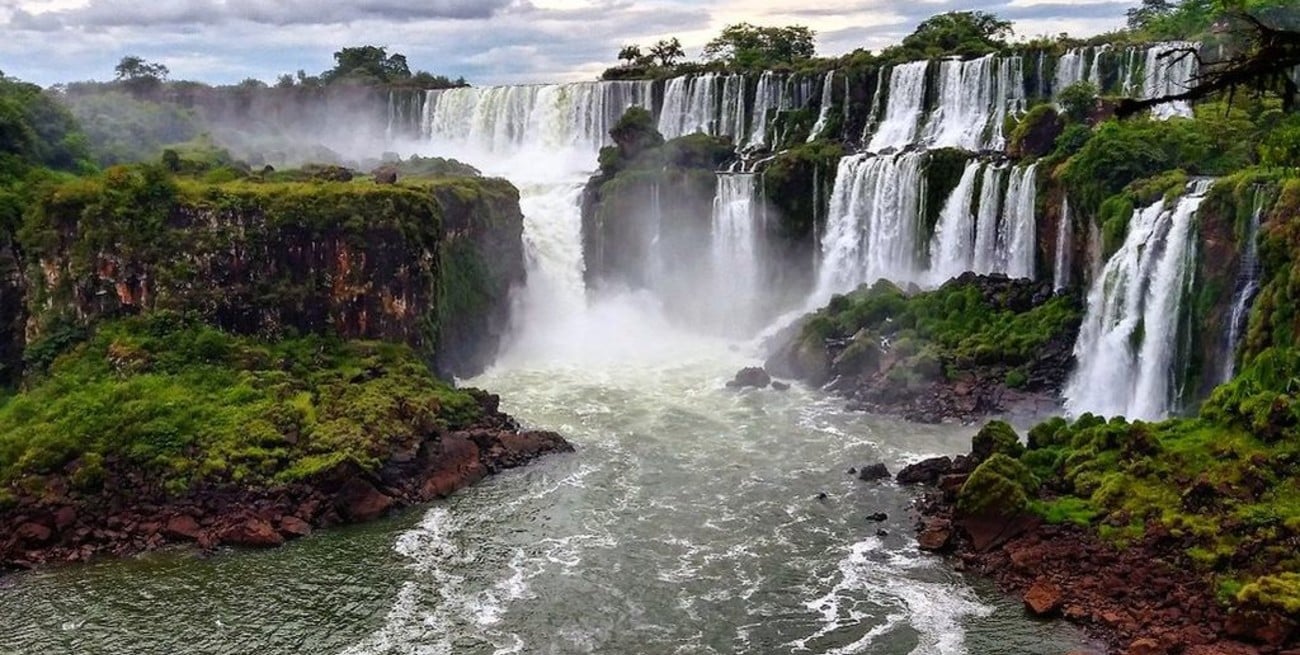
x=487 y=41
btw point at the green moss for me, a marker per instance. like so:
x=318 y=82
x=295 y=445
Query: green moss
x=1281 y=591
x=1067 y=509
x=1000 y=485
x=996 y=438
x=184 y=403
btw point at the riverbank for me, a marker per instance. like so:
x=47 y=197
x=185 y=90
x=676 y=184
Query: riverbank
x=50 y=526
x=1137 y=587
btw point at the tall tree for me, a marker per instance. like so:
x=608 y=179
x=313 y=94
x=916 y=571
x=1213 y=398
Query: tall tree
x=959 y=33
x=668 y=51
x=748 y=46
x=140 y=77
x=367 y=64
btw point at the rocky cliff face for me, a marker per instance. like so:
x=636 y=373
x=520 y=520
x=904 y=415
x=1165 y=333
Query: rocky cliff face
x=396 y=263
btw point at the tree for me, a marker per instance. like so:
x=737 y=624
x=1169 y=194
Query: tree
x=367 y=64
x=285 y=81
x=667 y=51
x=140 y=77
x=960 y=33
x=751 y=47
x=1078 y=100
x=630 y=54
x=1141 y=16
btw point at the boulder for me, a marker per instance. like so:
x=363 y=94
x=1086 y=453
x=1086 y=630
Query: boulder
x=926 y=471
x=1145 y=646
x=292 y=526
x=65 y=518
x=752 y=377
x=874 y=472
x=386 y=175
x=251 y=533
x=183 y=526
x=878 y=517
x=935 y=535
x=33 y=534
x=1043 y=598
x=780 y=386
x=360 y=501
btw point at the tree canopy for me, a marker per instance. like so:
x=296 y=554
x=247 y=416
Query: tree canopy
x=967 y=33
x=749 y=46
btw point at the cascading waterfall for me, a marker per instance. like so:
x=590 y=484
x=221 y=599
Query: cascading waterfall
x=709 y=103
x=873 y=116
x=734 y=251
x=1064 y=230
x=1094 y=73
x=507 y=118
x=768 y=99
x=873 y=222
x=952 y=250
x=966 y=104
x=987 y=257
x=1126 y=347
x=1246 y=288
x=905 y=107
x=1018 y=229
x=824 y=114
x=1071 y=67
x=1170 y=68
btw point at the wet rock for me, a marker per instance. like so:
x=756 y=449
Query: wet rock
x=780 y=386
x=293 y=526
x=1266 y=628
x=878 y=517
x=65 y=518
x=251 y=533
x=359 y=500
x=753 y=377
x=183 y=526
x=926 y=471
x=874 y=472
x=935 y=535
x=882 y=533
x=386 y=175
x=33 y=534
x=1043 y=598
x=821 y=496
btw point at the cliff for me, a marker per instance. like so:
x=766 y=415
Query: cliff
x=404 y=263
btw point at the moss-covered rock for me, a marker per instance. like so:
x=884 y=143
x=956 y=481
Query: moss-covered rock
x=999 y=486
x=996 y=438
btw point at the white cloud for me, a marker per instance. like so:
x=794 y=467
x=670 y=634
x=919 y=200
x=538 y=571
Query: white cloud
x=487 y=41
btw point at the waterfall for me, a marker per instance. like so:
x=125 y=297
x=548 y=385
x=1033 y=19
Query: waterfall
x=873 y=115
x=1168 y=72
x=1018 y=229
x=734 y=252
x=986 y=258
x=768 y=99
x=1126 y=347
x=873 y=222
x=1064 y=229
x=507 y=118
x=1246 y=288
x=824 y=114
x=905 y=107
x=733 y=107
x=709 y=103
x=1070 y=68
x=1094 y=74
x=966 y=103
x=952 y=250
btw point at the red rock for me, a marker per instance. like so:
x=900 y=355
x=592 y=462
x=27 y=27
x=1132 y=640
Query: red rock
x=1043 y=598
x=65 y=518
x=183 y=526
x=33 y=534
x=1145 y=646
x=359 y=501
x=1267 y=628
x=935 y=536
x=293 y=526
x=1230 y=648
x=455 y=465
x=251 y=533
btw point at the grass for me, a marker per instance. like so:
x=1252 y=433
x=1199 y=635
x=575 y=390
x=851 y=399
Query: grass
x=184 y=403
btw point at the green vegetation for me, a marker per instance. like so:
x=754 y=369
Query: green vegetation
x=959 y=325
x=748 y=47
x=182 y=403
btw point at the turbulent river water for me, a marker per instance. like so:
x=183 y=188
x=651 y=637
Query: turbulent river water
x=686 y=522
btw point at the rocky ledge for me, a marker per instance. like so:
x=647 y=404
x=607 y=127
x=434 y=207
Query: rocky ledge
x=977 y=346
x=50 y=524
x=1138 y=600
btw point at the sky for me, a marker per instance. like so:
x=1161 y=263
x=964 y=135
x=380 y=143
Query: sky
x=486 y=41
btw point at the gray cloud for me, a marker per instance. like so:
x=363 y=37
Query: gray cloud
x=131 y=13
